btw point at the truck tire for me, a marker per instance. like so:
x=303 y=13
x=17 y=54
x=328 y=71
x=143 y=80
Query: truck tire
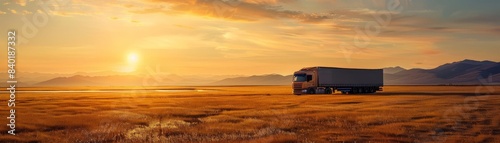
x=353 y=91
x=328 y=91
x=367 y=90
x=311 y=91
x=372 y=90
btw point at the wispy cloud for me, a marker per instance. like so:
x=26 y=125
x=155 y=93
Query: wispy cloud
x=248 y=10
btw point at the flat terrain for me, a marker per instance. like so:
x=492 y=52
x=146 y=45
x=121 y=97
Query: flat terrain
x=254 y=114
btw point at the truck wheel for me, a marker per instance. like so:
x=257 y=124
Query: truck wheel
x=328 y=91
x=311 y=91
x=353 y=91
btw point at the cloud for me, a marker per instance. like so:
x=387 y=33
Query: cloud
x=155 y=9
x=268 y=1
x=248 y=10
x=21 y=2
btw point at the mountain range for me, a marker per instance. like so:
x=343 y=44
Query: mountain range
x=271 y=79
x=466 y=72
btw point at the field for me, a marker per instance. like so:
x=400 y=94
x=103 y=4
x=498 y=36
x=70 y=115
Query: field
x=254 y=114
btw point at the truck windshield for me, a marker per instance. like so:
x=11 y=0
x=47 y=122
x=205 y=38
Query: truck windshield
x=299 y=77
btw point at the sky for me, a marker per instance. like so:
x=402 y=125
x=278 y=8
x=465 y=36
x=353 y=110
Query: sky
x=247 y=37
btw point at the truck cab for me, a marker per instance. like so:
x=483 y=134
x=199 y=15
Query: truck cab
x=305 y=81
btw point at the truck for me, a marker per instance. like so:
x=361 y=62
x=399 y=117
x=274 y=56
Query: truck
x=327 y=80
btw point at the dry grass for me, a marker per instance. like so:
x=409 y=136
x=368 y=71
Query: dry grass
x=257 y=114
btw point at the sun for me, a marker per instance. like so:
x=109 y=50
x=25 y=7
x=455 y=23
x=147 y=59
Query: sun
x=133 y=58
x=132 y=63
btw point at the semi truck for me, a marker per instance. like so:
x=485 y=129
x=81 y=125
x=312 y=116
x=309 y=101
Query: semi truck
x=327 y=80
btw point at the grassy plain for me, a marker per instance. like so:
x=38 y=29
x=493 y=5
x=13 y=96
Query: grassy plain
x=254 y=114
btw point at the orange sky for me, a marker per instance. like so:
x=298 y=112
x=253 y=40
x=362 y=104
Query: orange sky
x=247 y=37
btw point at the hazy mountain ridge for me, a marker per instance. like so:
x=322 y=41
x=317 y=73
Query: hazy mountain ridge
x=457 y=73
x=126 y=80
x=392 y=70
x=79 y=80
x=272 y=79
x=104 y=78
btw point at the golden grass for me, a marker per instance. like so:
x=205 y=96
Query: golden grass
x=256 y=114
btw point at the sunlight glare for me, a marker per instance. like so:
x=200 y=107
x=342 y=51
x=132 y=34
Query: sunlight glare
x=133 y=58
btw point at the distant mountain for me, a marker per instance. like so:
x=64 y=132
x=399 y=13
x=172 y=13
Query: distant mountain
x=79 y=80
x=272 y=79
x=32 y=78
x=459 y=73
x=101 y=73
x=129 y=80
x=392 y=70
x=29 y=78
